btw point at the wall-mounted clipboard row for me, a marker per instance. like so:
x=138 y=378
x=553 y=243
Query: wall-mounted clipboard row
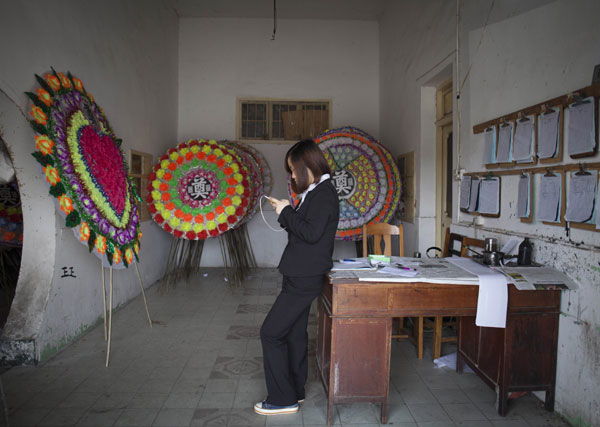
x=503 y=131
x=560 y=170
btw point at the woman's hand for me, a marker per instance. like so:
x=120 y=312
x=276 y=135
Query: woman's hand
x=278 y=205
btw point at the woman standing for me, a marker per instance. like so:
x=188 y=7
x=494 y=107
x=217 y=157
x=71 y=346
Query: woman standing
x=311 y=228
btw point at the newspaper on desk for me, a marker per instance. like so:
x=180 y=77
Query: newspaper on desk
x=428 y=270
x=532 y=278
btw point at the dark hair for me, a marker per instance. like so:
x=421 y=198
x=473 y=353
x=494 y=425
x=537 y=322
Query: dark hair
x=305 y=155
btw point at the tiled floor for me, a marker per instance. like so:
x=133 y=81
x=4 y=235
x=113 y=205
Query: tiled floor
x=201 y=365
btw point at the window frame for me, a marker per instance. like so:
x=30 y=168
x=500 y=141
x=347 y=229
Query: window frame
x=147 y=163
x=270 y=101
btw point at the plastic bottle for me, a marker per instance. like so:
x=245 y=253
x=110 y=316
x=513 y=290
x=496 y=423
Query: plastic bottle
x=525 y=250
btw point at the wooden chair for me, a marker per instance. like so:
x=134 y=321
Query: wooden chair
x=468 y=243
x=383 y=232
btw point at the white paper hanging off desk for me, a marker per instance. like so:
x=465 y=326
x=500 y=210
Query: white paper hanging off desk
x=492 y=301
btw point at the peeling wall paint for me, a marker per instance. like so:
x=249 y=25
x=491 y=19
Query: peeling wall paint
x=513 y=63
x=517 y=67
x=127 y=56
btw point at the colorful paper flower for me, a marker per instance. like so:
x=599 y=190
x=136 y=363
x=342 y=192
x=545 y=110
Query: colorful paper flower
x=51 y=174
x=52 y=81
x=64 y=81
x=44 y=144
x=101 y=244
x=44 y=96
x=84 y=232
x=66 y=204
x=38 y=115
x=79 y=151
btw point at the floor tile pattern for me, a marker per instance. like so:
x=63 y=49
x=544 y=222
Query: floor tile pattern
x=201 y=365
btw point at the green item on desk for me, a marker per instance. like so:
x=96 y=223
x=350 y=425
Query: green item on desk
x=379 y=258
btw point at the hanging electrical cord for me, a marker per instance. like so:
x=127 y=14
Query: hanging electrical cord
x=274 y=19
x=459 y=84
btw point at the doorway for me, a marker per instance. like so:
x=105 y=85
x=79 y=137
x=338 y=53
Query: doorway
x=444 y=158
x=11 y=233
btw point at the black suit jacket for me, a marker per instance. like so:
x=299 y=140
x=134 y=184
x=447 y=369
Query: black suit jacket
x=311 y=232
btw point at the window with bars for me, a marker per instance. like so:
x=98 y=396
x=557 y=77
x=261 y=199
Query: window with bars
x=140 y=166
x=287 y=120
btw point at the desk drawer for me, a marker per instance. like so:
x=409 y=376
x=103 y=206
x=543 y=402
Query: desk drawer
x=360 y=299
x=431 y=299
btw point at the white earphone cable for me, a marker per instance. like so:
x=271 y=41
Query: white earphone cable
x=263 y=216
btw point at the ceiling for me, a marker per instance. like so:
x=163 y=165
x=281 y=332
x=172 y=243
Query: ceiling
x=364 y=10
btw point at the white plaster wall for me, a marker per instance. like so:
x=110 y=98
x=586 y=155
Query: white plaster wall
x=417 y=53
x=126 y=55
x=414 y=51
x=223 y=59
x=520 y=64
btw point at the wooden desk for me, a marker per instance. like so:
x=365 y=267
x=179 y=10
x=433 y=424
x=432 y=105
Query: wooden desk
x=354 y=337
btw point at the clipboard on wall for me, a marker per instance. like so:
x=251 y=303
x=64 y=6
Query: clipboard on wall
x=579 y=102
x=504 y=146
x=558 y=155
x=531 y=120
x=586 y=225
x=490 y=191
x=490 y=147
x=529 y=218
x=563 y=199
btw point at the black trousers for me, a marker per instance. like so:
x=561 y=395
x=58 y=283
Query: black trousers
x=285 y=339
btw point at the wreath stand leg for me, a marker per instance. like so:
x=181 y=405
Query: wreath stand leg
x=104 y=298
x=143 y=294
x=109 y=317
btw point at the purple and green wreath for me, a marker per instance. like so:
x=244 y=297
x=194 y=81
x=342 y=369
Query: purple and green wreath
x=365 y=176
x=84 y=164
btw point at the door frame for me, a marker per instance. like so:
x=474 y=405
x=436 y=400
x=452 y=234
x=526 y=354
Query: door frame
x=443 y=125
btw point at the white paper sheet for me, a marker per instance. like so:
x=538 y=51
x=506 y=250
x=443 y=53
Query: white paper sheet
x=581 y=129
x=394 y=271
x=340 y=266
x=489 y=150
x=431 y=270
x=523 y=145
x=505 y=139
x=548 y=141
x=474 y=198
x=465 y=191
x=546 y=276
x=524 y=196
x=489 y=196
x=516 y=278
x=511 y=247
x=581 y=196
x=549 y=201
x=492 y=301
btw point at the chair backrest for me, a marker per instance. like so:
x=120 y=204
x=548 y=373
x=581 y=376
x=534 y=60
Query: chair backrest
x=449 y=244
x=382 y=231
x=469 y=242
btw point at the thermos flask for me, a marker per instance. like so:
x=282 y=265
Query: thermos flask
x=525 y=250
